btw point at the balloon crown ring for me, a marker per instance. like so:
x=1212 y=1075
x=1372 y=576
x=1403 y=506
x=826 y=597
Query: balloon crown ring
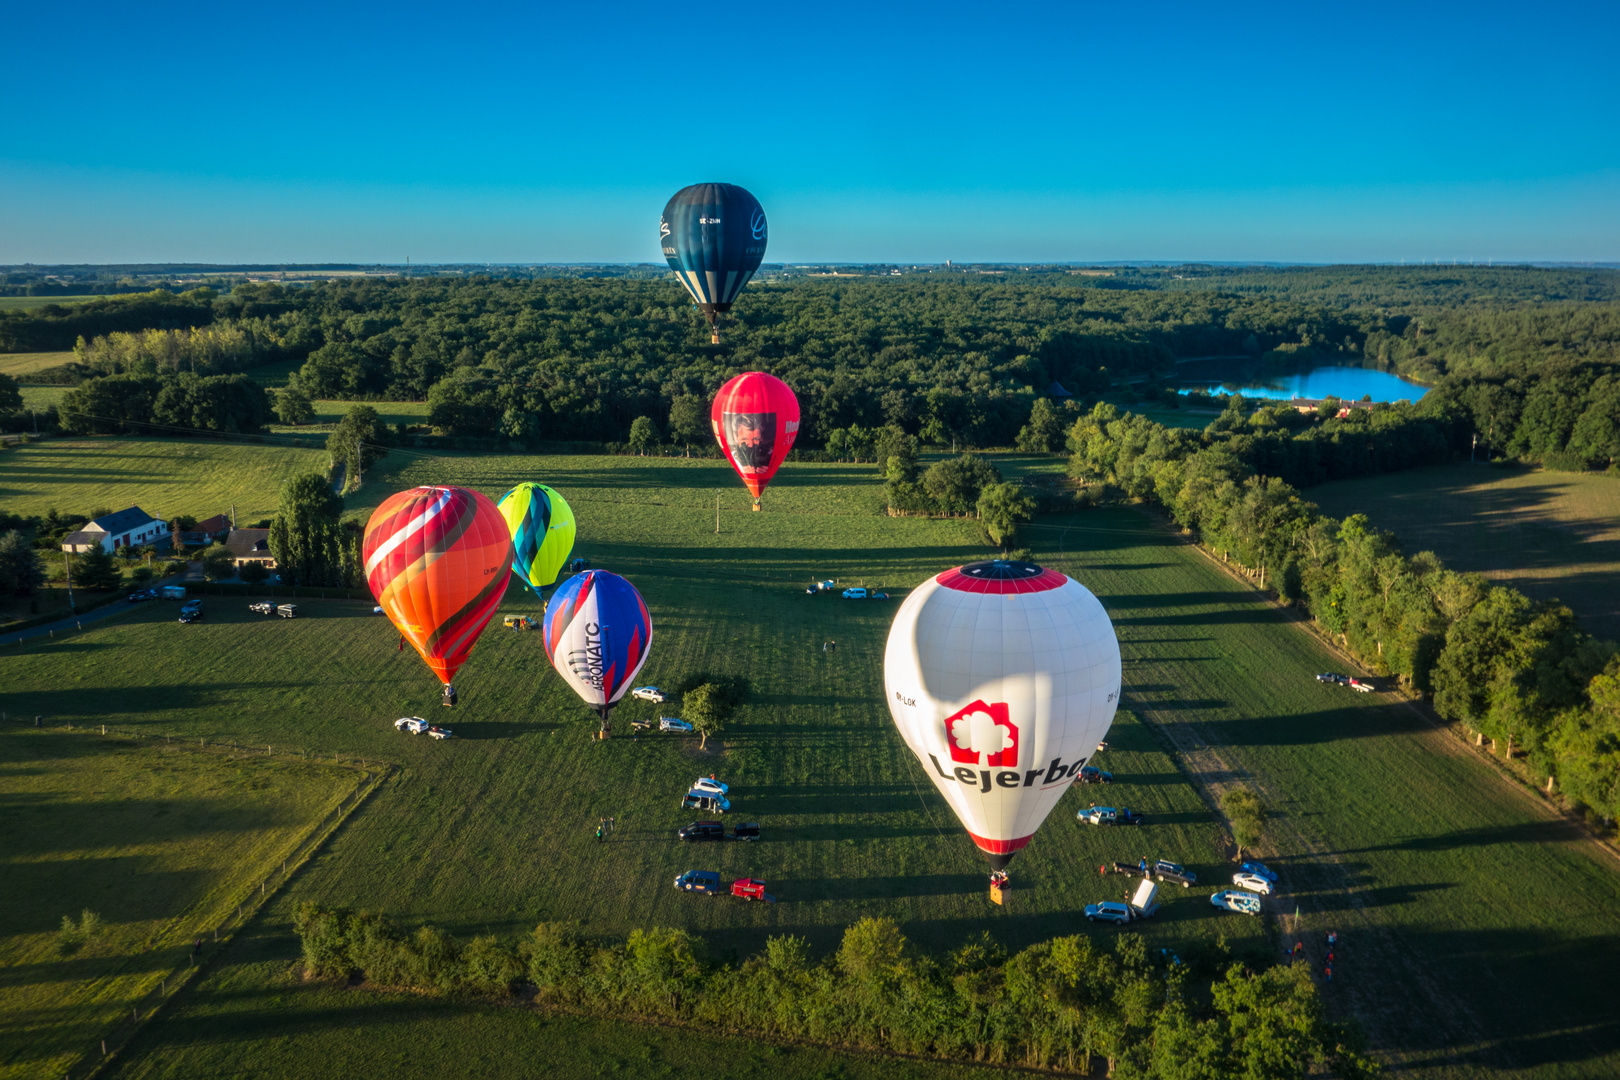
x=1001 y=570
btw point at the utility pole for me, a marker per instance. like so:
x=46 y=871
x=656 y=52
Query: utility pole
x=1472 y=447
x=717 y=515
x=67 y=560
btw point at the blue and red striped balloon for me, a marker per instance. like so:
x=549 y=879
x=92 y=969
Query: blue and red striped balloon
x=598 y=633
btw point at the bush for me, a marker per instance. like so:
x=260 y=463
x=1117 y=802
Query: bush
x=74 y=936
x=254 y=573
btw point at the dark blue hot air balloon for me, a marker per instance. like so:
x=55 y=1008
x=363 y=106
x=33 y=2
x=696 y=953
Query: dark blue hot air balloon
x=714 y=238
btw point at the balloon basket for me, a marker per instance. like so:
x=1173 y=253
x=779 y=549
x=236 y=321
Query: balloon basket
x=997 y=893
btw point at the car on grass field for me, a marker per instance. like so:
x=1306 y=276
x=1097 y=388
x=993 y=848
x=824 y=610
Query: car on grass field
x=1174 y=873
x=816 y=588
x=264 y=607
x=751 y=889
x=703 y=830
x=192 y=611
x=1252 y=882
x=1090 y=774
x=520 y=622
x=1333 y=677
x=439 y=732
x=377 y=610
x=1110 y=911
x=854 y=594
x=1234 y=900
x=699 y=881
x=1261 y=869
x=710 y=784
x=674 y=723
x=747 y=831
x=413 y=724
x=713 y=802
x=1110 y=815
x=139 y=595
x=649 y=693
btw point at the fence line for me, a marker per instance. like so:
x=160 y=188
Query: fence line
x=214 y=937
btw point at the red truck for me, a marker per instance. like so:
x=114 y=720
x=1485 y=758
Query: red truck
x=751 y=889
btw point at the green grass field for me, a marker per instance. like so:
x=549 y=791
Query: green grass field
x=1452 y=889
x=22 y=365
x=41 y=397
x=162 y=842
x=1551 y=535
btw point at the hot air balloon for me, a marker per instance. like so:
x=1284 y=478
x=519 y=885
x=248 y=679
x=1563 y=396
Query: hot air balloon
x=436 y=560
x=597 y=635
x=755 y=418
x=1002 y=678
x=542 y=527
x=714 y=238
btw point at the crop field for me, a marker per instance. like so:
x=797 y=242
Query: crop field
x=328 y=413
x=23 y=303
x=160 y=842
x=1453 y=890
x=1552 y=535
x=21 y=365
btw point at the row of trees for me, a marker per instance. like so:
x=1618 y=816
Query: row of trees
x=166 y=404
x=311 y=543
x=208 y=350
x=1521 y=673
x=1054 y=1005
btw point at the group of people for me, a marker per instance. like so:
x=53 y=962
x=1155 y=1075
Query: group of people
x=1298 y=951
x=604 y=826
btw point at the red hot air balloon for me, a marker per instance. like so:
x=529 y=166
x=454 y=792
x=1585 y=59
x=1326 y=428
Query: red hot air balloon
x=436 y=559
x=756 y=419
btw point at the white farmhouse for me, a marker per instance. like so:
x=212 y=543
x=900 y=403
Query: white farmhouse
x=127 y=528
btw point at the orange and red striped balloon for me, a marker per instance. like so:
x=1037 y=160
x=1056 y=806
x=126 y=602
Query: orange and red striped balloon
x=436 y=559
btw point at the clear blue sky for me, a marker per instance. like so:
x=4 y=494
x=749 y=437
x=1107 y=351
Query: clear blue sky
x=871 y=132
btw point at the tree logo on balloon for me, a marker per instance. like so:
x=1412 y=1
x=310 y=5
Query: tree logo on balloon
x=982 y=730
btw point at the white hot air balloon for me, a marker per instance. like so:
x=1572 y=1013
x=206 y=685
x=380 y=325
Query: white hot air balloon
x=1002 y=677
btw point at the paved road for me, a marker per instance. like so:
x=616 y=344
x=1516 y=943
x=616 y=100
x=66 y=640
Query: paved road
x=71 y=623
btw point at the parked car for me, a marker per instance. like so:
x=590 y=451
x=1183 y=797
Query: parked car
x=139 y=595
x=1110 y=815
x=173 y=592
x=287 y=611
x=649 y=693
x=1362 y=686
x=413 y=724
x=520 y=622
x=1261 y=869
x=708 y=783
x=702 y=830
x=439 y=732
x=751 y=889
x=854 y=594
x=700 y=881
x=1252 y=882
x=705 y=800
x=1090 y=774
x=673 y=723
x=1331 y=677
x=1175 y=873
x=818 y=587
x=749 y=831
x=576 y=566
x=192 y=611
x=1234 y=900
x=377 y=610
x=263 y=608
x=1110 y=911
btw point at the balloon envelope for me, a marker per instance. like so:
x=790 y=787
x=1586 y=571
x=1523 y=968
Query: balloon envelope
x=1002 y=678
x=436 y=560
x=542 y=526
x=755 y=419
x=713 y=236
x=597 y=634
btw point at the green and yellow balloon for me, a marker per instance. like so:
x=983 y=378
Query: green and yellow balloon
x=542 y=527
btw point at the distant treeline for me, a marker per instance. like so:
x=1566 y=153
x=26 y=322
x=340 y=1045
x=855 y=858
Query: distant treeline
x=1055 y=1005
x=1523 y=674
x=1529 y=360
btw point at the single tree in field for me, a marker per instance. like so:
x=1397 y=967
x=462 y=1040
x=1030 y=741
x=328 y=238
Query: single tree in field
x=643 y=435
x=1246 y=816
x=293 y=406
x=1002 y=508
x=217 y=562
x=704 y=707
x=1044 y=432
x=689 y=421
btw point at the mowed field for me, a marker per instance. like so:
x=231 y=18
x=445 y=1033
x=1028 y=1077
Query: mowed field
x=23 y=303
x=1452 y=890
x=160 y=841
x=1552 y=535
x=21 y=365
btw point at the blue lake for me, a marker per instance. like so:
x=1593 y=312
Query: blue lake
x=1346 y=383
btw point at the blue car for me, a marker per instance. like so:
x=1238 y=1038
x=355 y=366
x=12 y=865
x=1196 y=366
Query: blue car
x=700 y=881
x=1259 y=870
